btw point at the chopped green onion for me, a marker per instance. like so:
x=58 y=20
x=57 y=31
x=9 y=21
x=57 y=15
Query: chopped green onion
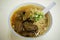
x=37 y=16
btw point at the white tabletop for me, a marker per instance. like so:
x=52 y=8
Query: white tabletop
x=6 y=7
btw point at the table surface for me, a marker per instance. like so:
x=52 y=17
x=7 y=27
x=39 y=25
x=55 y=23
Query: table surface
x=6 y=7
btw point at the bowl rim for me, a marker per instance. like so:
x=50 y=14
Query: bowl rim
x=23 y=4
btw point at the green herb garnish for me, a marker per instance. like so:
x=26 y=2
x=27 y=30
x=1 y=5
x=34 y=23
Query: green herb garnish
x=37 y=16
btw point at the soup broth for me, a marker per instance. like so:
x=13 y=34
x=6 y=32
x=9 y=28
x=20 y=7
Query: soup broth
x=21 y=23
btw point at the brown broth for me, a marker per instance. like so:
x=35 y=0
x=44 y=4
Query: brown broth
x=17 y=21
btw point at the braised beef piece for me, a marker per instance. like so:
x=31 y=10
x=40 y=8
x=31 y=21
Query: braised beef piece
x=28 y=34
x=30 y=27
x=18 y=26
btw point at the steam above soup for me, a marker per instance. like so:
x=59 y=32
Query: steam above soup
x=28 y=22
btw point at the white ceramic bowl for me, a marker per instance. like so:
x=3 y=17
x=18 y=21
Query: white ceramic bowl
x=28 y=38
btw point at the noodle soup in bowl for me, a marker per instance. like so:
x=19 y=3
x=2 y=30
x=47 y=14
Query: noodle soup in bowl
x=25 y=26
